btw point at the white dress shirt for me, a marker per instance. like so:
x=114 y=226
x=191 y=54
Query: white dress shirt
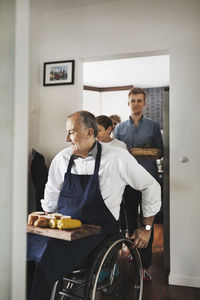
x=118 y=168
x=118 y=143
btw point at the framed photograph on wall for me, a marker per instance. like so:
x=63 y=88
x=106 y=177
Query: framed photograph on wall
x=59 y=72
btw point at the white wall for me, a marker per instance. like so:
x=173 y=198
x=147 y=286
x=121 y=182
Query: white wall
x=20 y=150
x=56 y=103
x=107 y=103
x=34 y=79
x=92 y=102
x=131 y=28
x=34 y=105
x=14 y=32
x=6 y=137
x=116 y=103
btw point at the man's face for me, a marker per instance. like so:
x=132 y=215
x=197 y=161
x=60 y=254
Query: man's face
x=136 y=103
x=103 y=134
x=77 y=135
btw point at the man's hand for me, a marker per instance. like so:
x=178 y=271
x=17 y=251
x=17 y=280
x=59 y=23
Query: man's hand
x=140 y=237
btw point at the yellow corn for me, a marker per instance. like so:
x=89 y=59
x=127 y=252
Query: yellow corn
x=68 y=223
x=53 y=223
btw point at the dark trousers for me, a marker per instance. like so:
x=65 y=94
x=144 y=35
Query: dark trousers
x=130 y=219
x=37 y=286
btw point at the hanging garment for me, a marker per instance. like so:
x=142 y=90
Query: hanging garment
x=39 y=175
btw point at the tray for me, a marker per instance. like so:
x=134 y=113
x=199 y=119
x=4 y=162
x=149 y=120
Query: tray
x=67 y=234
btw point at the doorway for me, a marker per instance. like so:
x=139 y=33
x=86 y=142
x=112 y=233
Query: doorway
x=106 y=87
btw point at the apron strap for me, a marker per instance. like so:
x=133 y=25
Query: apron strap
x=70 y=164
x=98 y=158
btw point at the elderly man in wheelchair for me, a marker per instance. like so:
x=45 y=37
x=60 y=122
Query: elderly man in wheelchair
x=86 y=181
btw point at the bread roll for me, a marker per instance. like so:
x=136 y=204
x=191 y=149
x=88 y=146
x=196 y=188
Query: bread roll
x=48 y=217
x=41 y=222
x=57 y=215
x=32 y=219
x=37 y=213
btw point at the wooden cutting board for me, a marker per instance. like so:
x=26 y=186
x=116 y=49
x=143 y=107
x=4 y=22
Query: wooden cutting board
x=67 y=234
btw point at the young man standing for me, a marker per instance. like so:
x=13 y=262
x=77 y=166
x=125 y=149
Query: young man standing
x=140 y=132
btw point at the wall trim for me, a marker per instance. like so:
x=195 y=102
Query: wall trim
x=184 y=281
x=116 y=88
x=91 y=88
x=107 y=89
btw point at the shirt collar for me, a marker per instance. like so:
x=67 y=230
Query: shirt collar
x=140 y=120
x=93 y=152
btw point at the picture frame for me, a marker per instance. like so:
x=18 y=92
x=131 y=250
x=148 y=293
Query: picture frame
x=58 y=73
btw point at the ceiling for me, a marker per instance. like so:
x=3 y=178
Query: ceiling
x=151 y=71
x=53 y=5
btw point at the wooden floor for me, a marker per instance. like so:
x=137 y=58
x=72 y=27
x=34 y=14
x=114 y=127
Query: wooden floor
x=158 y=289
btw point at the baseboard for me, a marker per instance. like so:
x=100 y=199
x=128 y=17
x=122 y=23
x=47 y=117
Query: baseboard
x=184 y=281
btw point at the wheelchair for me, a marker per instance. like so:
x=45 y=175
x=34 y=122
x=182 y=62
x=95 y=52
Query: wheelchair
x=108 y=275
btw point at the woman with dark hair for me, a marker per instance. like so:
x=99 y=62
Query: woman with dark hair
x=115 y=120
x=105 y=129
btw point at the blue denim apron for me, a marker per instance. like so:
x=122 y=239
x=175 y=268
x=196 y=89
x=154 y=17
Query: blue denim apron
x=80 y=198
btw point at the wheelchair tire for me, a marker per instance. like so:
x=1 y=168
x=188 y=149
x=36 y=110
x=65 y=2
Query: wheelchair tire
x=115 y=286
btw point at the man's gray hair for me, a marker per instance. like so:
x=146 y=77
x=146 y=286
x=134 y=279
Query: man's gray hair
x=87 y=119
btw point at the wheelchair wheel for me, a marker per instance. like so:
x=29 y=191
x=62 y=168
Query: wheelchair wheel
x=112 y=273
x=69 y=288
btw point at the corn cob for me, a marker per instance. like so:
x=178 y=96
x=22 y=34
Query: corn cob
x=68 y=223
x=53 y=223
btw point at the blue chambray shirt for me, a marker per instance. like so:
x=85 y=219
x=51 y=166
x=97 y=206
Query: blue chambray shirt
x=146 y=135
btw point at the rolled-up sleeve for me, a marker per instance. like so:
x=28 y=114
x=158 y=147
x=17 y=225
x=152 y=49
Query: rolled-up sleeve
x=139 y=179
x=52 y=188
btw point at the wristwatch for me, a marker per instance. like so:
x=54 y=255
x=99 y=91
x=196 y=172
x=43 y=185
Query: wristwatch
x=146 y=226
